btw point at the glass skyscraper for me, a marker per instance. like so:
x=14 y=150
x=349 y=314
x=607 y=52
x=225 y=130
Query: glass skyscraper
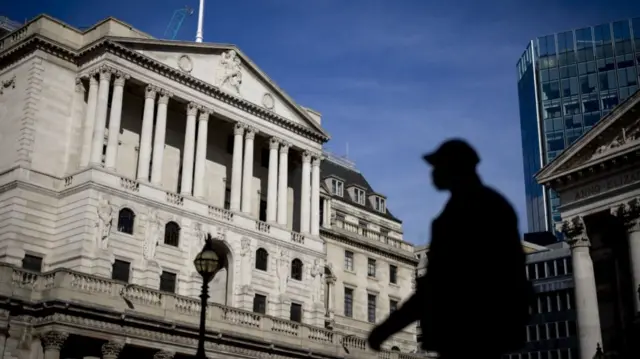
x=567 y=81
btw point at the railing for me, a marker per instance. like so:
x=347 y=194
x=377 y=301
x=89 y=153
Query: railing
x=371 y=234
x=74 y=287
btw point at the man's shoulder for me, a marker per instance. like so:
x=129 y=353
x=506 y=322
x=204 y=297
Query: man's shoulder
x=493 y=197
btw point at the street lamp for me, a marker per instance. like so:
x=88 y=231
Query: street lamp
x=207 y=263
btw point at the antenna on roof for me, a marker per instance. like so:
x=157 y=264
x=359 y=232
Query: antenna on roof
x=200 y=21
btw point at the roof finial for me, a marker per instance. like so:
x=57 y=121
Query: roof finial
x=200 y=21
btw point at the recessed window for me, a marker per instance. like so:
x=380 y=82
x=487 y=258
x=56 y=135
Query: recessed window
x=260 y=304
x=337 y=187
x=262 y=214
x=393 y=274
x=358 y=195
x=172 y=234
x=121 y=270
x=379 y=204
x=393 y=305
x=168 y=282
x=348 y=260
x=348 y=302
x=296 y=269
x=32 y=263
x=126 y=220
x=371 y=267
x=230 y=140
x=264 y=157
x=262 y=259
x=371 y=308
x=296 y=313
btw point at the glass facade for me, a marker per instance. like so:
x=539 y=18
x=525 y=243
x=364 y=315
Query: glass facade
x=566 y=82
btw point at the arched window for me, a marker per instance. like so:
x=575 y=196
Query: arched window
x=296 y=269
x=126 y=220
x=172 y=234
x=395 y=349
x=262 y=259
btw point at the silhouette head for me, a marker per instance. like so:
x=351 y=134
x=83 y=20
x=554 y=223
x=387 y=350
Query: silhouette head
x=454 y=163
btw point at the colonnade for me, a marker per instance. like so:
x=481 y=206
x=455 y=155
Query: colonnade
x=152 y=143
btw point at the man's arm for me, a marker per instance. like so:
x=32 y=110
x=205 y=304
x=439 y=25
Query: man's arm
x=406 y=314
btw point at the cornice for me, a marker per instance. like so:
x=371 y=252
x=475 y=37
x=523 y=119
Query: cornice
x=369 y=247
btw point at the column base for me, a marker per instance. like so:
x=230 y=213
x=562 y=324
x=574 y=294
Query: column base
x=103 y=263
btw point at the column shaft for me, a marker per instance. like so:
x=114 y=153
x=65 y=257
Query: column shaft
x=634 y=253
x=201 y=154
x=188 y=148
x=305 y=193
x=589 y=332
x=101 y=116
x=89 y=121
x=115 y=120
x=283 y=186
x=247 y=171
x=272 y=185
x=146 y=134
x=236 y=168
x=159 y=139
x=315 y=196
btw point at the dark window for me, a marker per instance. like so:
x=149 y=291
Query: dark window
x=264 y=157
x=393 y=305
x=260 y=304
x=321 y=219
x=348 y=302
x=263 y=210
x=296 y=312
x=227 y=198
x=120 y=271
x=371 y=308
x=371 y=267
x=395 y=349
x=262 y=259
x=126 y=220
x=561 y=267
x=172 y=234
x=32 y=263
x=230 y=140
x=393 y=274
x=296 y=269
x=348 y=260
x=168 y=282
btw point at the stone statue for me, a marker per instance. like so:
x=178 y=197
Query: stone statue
x=246 y=265
x=282 y=271
x=316 y=272
x=230 y=67
x=153 y=234
x=197 y=241
x=105 y=220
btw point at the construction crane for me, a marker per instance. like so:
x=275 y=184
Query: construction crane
x=176 y=22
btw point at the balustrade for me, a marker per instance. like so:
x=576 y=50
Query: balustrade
x=371 y=234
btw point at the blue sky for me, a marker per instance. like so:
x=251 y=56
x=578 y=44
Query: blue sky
x=392 y=78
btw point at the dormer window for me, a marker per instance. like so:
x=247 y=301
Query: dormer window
x=379 y=204
x=337 y=187
x=358 y=196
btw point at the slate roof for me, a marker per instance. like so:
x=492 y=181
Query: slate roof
x=352 y=177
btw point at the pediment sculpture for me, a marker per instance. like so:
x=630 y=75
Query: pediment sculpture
x=230 y=71
x=628 y=136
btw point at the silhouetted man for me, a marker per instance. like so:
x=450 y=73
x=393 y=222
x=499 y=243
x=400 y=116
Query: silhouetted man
x=473 y=301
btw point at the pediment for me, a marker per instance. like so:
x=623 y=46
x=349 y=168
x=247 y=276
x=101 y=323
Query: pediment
x=617 y=134
x=230 y=70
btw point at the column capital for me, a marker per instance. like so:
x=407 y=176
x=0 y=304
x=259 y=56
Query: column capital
x=93 y=80
x=192 y=109
x=121 y=77
x=105 y=73
x=306 y=157
x=111 y=349
x=629 y=214
x=164 y=354
x=79 y=84
x=53 y=340
x=150 y=91
x=284 y=147
x=205 y=112
x=274 y=143
x=239 y=128
x=250 y=133
x=316 y=159
x=575 y=232
x=164 y=97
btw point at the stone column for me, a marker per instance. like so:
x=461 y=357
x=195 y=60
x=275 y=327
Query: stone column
x=52 y=343
x=315 y=196
x=305 y=193
x=326 y=217
x=201 y=153
x=158 y=141
x=236 y=167
x=115 y=118
x=188 y=148
x=247 y=170
x=144 y=150
x=101 y=116
x=588 y=315
x=283 y=178
x=164 y=354
x=111 y=350
x=89 y=121
x=629 y=214
x=272 y=185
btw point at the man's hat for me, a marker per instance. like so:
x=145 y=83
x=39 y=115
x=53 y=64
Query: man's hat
x=456 y=153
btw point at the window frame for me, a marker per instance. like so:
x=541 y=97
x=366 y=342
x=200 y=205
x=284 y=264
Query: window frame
x=297 y=269
x=263 y=254
x=359 y=196
x=172 y=234
x=372 y=300
x=380 y=204
x=349 y=259
x=337 y=187
x=293 y=313
x=348 y=309
x=371 y=267
x=257 y=304
x=393 y=274
x=171 y=277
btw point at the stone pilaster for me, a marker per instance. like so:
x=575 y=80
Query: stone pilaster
x=589 y=330
x=52 y=342
x=629 y=214
x=89 y=120
x=111 y=350
x=188 y=150
x=305 y=193
x=201 y=153
x=159 y=138
x=283 y=186
x=103 y=262
x=151 y=274
x=236 y=167
x=146 y=134
x=115 y=118
x=315 y=195
x=272 y=185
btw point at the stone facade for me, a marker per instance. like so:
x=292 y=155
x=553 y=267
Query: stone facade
x=119 y=153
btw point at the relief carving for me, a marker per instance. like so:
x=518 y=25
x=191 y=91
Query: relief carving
x=245 y=253
x=316 y=272
x=104 y=224
x=197 y=241
x=53 y=340
x=282 y=271
x=575 y=232
x=230 y=69
x=8 y=84
x=628 y=136
x=152 y=236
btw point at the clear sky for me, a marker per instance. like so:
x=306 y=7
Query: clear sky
x=392 y=78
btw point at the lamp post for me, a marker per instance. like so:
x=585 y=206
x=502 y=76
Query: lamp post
x=207 y=263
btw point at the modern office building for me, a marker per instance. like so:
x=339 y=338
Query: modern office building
x=567 y=82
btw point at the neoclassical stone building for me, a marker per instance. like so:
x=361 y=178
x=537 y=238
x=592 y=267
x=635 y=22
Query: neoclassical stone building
x=597 y=180
x=118 y=152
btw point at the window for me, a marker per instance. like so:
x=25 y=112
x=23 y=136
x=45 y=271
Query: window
x=32 y=263
x=126 y=220
x=262 y=215
x=358 y=195
x=264 y=157
x=379 y=204
x=393 y=274
x=296 y=269
x=172 y=234
x=120 y=271
x=168 y=282
x=371 y=267
x=395 y=349
x=393 y=305
x=260 y=304
x=348 y=260
x=230 y=141
x=337 y=187
x=348 y=302
x=371 y=308
x=296 y=313
x=262 y=259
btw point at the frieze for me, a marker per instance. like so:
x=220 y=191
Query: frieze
x=599 y=187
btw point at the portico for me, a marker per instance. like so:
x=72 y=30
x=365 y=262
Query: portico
x=598 y=182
